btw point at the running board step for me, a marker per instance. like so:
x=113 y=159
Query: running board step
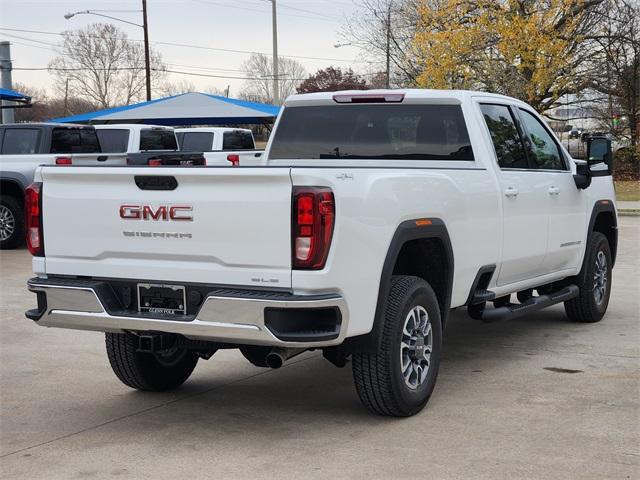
x=534 y=304
x=482 y=296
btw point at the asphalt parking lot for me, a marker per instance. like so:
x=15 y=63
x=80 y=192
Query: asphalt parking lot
x=537 y=397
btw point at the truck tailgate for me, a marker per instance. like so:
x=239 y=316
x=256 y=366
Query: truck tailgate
x=230 y=226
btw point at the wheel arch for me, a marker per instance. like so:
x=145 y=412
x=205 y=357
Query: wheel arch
x=429 y=240
x=12 y=187
x=603 y=219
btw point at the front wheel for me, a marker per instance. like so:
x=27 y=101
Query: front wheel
x=152 y=372
x=399 y=378
x=594 y=283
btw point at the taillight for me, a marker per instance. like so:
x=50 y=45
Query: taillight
x=33 y=219
x=234 y=159
x=64 y=161
x=313 y=218
x=154 y=162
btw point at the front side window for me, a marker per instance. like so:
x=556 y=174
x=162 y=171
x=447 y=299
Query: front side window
x=196 y=141
x=372 y=132
x=157 y=139
x=20 y=141
x=113 y=140
x=505 y=137
x=545 y=151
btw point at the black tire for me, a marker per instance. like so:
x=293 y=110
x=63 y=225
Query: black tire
x=11 y=210
x=378 y=377
x=585 y=307
x=256 y=354
x=148 y=371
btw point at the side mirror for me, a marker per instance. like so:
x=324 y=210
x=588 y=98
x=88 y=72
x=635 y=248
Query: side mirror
x=599 y=156
x=582 y=176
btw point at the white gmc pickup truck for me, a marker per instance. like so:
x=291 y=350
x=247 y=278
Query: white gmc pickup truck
x=377 y=213
x=221 y=145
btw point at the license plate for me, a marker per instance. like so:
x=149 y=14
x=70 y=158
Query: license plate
x=163 y=299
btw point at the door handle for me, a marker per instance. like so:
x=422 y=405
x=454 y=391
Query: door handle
x=511 y=192
x=553 y=190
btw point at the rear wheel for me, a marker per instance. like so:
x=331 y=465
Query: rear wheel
x=594 y=282
x=399 y=378
x=11 y=222
x=153 y=372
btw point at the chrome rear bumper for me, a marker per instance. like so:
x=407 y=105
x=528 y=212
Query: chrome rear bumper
x=229 y=316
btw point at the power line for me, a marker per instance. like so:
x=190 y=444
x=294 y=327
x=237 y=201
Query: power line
x=322 y=17
x=166 y=70
x=82 y=69
x=201 y=47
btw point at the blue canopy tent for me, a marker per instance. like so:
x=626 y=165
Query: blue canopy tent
x=183 y=109
x=13 y=96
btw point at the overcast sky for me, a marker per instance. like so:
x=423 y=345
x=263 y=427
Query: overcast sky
x=306 y=28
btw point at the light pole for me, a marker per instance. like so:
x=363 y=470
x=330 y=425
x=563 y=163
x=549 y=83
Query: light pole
x=274 y=28
x=147 y=63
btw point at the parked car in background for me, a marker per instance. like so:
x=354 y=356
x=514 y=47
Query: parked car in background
x=376 y=214
x=152 y=145
x=577 y=145
x=24 y=146
x=221 y=145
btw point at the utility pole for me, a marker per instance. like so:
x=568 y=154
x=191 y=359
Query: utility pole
x=5 y=80
x=388 y=85
x=274 y=23
x=147 y=64
x=66 y=97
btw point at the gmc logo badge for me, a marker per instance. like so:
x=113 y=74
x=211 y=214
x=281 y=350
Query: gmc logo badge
x=177 y=213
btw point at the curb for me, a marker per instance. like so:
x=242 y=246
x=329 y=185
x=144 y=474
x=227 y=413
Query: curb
x=629 y=212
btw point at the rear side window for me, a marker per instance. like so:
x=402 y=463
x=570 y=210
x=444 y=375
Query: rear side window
x=157 y=139
x=20 y=141
x=414 y=132
x=196 y=141
x=237 y=140
x=74 y=140
x=504 y=134
x=113 y=140
x=545 y=151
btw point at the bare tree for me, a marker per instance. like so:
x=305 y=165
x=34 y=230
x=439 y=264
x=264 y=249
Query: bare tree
x=38 y=110
x=100 y=64
x=168 y=88
x=386 y=28
x=259 y=84
x=45 y=107
x=616 y=70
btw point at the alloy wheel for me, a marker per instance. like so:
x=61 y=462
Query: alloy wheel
x=416 y=347
x=7 y=223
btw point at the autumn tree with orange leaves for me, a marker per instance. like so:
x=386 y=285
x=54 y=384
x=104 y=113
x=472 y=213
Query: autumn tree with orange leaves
x=534 y=50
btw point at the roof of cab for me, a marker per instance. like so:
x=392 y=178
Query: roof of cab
x=131 y=126
x=455 y=96
x=43 y=125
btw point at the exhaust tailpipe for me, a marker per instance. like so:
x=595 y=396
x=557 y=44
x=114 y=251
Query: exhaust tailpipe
x=277 y=356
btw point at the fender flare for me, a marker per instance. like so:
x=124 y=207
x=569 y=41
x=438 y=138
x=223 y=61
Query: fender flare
x=605 y=206
x=16 y=178
x=407 y=231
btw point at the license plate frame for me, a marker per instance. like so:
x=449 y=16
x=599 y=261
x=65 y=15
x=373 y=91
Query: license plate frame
x=162 y=299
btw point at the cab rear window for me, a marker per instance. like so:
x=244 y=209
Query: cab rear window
x=157 y=139
x=237 y=140
x=74 y=140
x=370 y=132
